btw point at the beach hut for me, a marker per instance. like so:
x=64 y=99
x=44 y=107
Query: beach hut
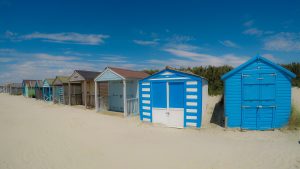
x=48 y=89
x=173 y=98
x=82 y=88
x=122 y=95
x=38 y=87
x=28 y=87
x=15 y=89
x=60 y=90
x=258 y=95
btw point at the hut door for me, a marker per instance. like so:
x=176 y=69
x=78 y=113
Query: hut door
x=175 y=104
x=168 y=103
x=258 y=100
x=159 y=99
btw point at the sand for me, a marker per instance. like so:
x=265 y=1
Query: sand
x=37 y=135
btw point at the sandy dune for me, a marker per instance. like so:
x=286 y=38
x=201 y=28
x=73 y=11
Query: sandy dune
x=37 y=135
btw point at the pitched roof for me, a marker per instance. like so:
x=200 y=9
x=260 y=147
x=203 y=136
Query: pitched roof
x=50 y=81
x=128 y=74
x=62 y=79
x=258 y=57
x=186 y=73
x=88 y=75
x=29 y=83
x=39 y=83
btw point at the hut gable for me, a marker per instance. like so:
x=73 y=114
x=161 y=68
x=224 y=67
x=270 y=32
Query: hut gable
x=29 y=83
x=111 y=73
x=172 y=74
x=38 y=84
x=60 y=80
x=48 y=82
x=81 y=75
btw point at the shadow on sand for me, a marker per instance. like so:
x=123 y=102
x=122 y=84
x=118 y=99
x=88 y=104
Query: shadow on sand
x=218 y=116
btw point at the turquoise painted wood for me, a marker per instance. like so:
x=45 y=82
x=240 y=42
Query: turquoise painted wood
x=47 y=91
x=258 y=95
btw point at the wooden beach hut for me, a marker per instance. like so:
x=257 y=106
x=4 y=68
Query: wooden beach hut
x=258 y=95
x=60 y=90
x=28 y=88
x=48 y=89
x=82 y=88
x=38 y=87
x=173 y=98
x=122 y=95
x=15 y=89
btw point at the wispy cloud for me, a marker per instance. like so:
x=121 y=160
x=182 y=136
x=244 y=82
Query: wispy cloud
x=284 y=41
x=190 y=55
x=146 y=42
x=229 y=43
x=17 y=65
x=249 y=23
x=253 y=31
x=66 y=37
x=49 y=57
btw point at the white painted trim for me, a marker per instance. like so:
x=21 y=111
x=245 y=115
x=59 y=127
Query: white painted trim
x=146 y=119
x=191 y=96
x=168 y=96
x=191 y=103
x=191 y=117
x=191 y=89
x=146 y=113
x=108 y=69
x=191 y=83
x=177 y=78
x=146 y=89
x=146 y=107
x=191 y=110
x=146 y=95
x=191 y=124
x=145 y=83
x=146 y=101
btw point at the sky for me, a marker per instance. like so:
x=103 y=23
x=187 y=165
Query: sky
x=42 y=39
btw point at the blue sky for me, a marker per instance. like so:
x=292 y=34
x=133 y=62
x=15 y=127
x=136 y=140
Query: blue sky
x=40 y=39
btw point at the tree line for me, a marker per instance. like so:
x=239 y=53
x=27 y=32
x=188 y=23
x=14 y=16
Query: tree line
x=213 y=75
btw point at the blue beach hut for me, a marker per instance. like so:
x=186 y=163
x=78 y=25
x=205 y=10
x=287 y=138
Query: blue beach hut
x=173 y=98
x=48 y=89
x=258 y=95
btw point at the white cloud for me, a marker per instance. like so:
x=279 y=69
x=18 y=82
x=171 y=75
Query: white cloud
x=253 y=31
x=199 y=59
x=229 y=43
x=271 y=57
x=49 y=57
x=5 y=59
x=68 y=37
x=284 y=41
x=249 y=23
x=146 y=43
x=188 y=55
x=43 y=65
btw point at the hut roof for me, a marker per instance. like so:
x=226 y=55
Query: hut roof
x=50 y=81
x=29 y=83
x=88 y=75
x=129 y=73
x=62 y=79
x=39 y=83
